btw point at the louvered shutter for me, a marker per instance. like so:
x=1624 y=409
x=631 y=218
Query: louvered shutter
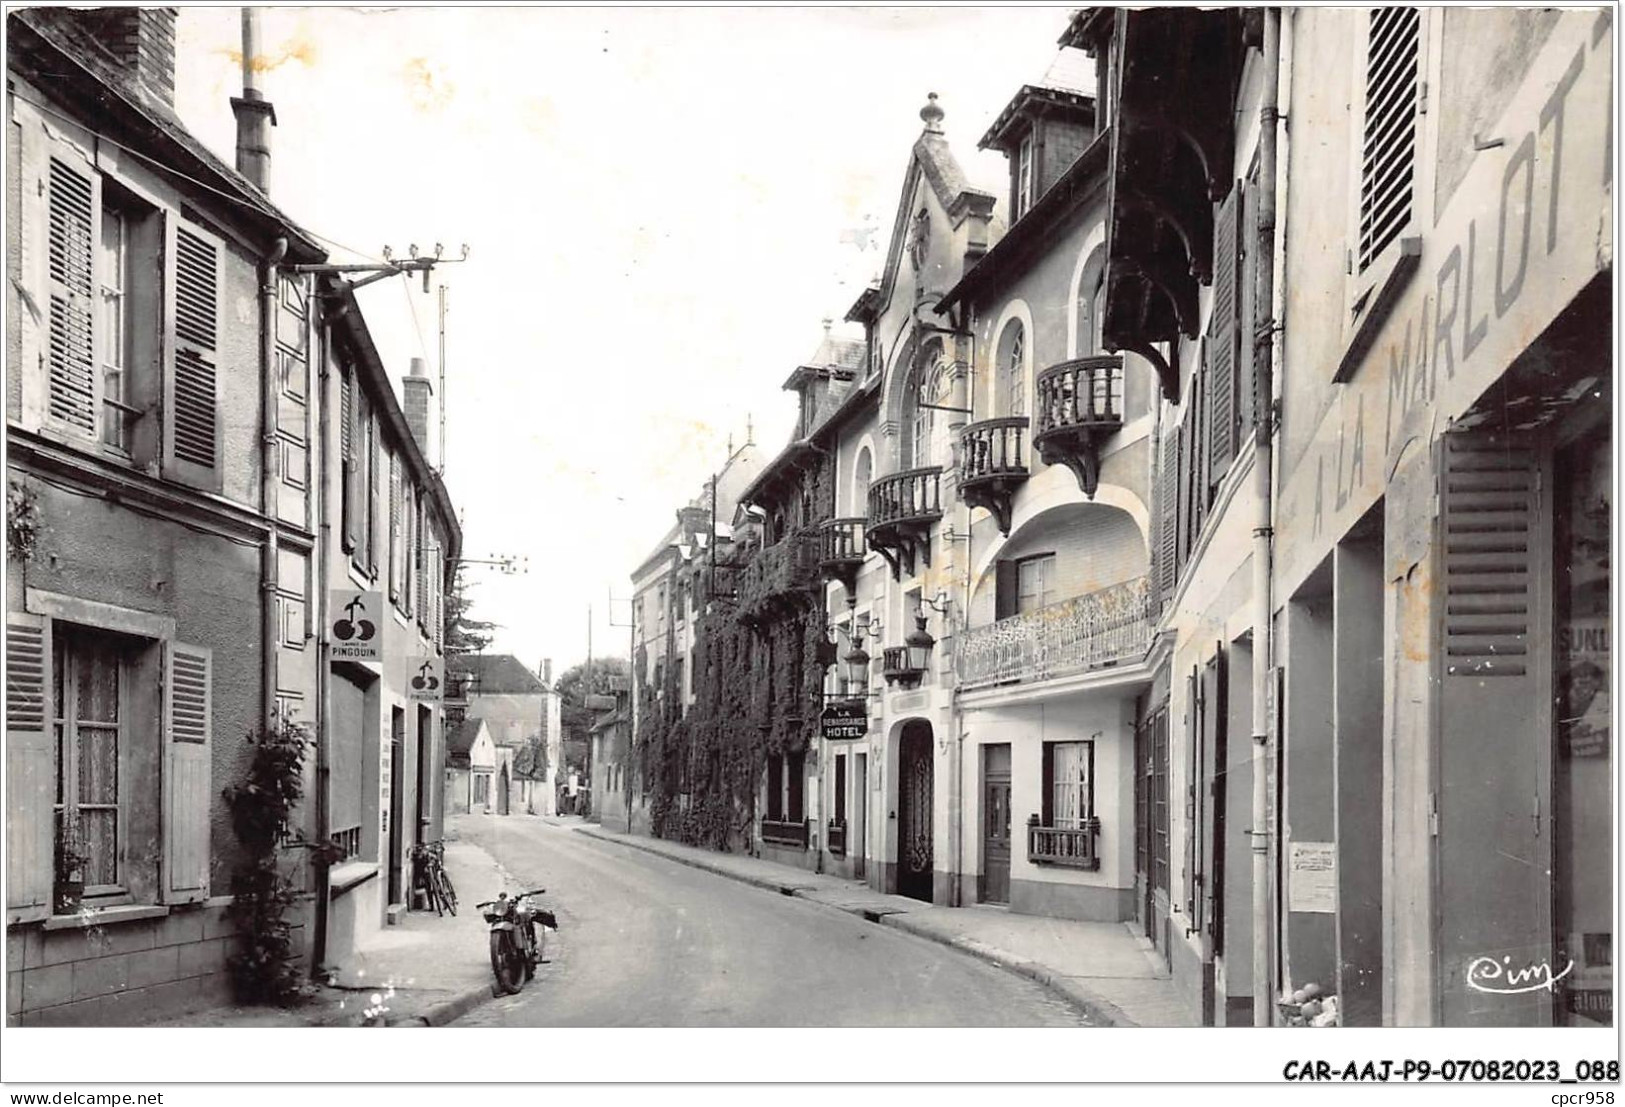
x=30 y=768
x=396 y=550
x=1388 y=161
x=369 y=447
x=186 y=785
x=1489 y=514
x=1495 y=831
x=1192 y=768
x=438 y=566
x=1251 y=314
x=347 y=457
x=188 y=725
x=1004 y=589
x=73 y=213
x=1168 y=514
x=192 y=383
x=1222 y=336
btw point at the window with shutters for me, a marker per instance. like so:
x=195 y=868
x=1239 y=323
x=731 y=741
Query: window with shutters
x=1386 y=171
x=108 y=766
x=1392 y=99
x=102 y=327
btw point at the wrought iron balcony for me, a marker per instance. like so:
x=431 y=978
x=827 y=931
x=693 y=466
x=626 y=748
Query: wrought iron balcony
x=902 y=508
x=782 y=832
x=841 y=550
x=835 y=835
x=1080 y=402
x=1093 y=631
x=1073 y=847
x=993 y=464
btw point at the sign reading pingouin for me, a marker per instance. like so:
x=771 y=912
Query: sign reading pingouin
x=356 y=630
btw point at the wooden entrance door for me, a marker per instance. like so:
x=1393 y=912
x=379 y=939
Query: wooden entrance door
x=914 y=855
x=996 y=823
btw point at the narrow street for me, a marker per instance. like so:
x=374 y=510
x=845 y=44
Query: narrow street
x=649 y=942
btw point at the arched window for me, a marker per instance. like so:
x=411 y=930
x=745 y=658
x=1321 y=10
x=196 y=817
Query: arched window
x=1010 y=395
x=862 y=473
x=1090 y=302
x=927 y=386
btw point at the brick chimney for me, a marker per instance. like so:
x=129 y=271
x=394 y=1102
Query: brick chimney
x=547 y=671
x=143 y=41
x=418 y=390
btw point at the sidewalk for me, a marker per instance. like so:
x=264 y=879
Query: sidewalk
x=1103 y=968
x=428 y=969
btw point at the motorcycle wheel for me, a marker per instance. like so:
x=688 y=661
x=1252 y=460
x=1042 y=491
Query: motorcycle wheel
x=505 y=962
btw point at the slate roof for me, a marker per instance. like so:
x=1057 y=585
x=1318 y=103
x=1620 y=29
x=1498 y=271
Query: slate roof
x=496 y=674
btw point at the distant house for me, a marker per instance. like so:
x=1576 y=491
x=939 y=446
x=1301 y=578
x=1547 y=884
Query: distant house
x=521 y=711
x=471 y=762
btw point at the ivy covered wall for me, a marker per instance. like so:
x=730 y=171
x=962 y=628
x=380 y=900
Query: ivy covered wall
x=757 y=671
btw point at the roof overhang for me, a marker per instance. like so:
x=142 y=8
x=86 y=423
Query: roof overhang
x=1035 y=102
x=1172 y=148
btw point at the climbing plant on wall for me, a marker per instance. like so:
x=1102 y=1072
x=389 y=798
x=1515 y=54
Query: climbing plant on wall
x=758 y=673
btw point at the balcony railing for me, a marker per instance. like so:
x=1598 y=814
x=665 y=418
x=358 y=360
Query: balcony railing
x=785 y=833
x=993 y=464
x=1073 y=847
x=1088 y=632
x=841 y=549
x=902 y=507
x=835 y=835
x=1080 y=402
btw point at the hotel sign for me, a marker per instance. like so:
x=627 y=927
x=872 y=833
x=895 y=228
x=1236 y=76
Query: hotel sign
x=847 y=721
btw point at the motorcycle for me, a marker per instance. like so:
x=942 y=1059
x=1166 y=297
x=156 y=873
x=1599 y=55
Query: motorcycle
x=516 y=947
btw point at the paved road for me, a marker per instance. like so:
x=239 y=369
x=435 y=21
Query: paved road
x=647 y=942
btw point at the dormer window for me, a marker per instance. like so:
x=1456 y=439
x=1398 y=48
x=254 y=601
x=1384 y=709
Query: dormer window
x=1024 y=179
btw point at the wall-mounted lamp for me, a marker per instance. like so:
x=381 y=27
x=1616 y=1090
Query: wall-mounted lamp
x=938 y=603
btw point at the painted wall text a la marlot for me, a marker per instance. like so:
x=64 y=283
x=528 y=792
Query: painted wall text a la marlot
x=1455 y=313
x=1520 y=230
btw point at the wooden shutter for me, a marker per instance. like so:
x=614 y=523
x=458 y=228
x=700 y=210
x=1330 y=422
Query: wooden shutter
x=1047 y=783
x=188 y=724
x=1217 y=753
x=347 y=457
x=1005 y=585
x=192 y=383
x=1168 y=513
x=73 y=214
x=396 y=549
x=1192 y=828
x=1222 y=336
x=369 y=448
x=1495 y=714
x=30 y=768
x=1250 y=313
x=420 y=552
x=1388 y=162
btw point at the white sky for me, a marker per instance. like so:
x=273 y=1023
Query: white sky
x=659 y=204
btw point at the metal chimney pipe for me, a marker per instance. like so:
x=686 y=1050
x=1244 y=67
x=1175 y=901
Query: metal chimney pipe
x=255 y=115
